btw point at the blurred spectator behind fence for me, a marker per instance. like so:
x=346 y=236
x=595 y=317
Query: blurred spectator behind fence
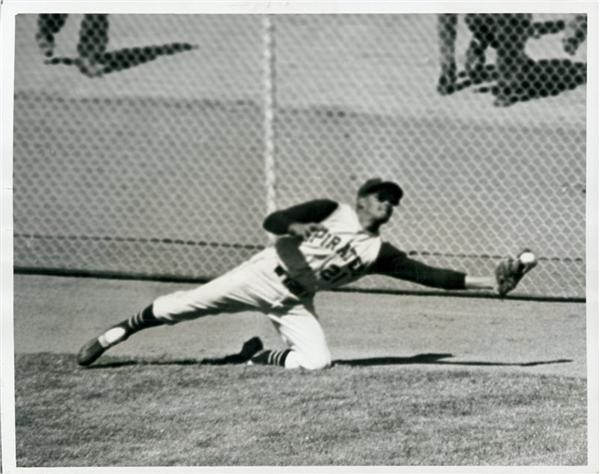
x=508 y=35
x=93 y=39
x=575 y=33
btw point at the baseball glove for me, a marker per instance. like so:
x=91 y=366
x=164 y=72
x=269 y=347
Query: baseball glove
x=510 y=271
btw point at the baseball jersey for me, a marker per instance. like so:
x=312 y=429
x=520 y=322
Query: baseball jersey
x=343 y=252
x=329 y=258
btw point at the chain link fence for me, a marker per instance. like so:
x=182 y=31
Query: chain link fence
x=153 y=145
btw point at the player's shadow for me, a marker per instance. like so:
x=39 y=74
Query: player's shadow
x=119 y=60
x=237 y=359
x=543 y=78
x=433 y=358
x=232 y=359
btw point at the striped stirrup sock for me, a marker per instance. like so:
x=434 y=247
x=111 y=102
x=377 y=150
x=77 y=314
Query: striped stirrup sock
x=142 y=320
x=271 y=357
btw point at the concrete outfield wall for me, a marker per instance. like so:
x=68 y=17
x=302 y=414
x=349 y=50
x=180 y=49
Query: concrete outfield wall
x=158 y=168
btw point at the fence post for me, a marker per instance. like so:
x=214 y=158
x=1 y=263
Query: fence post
x=270 y=90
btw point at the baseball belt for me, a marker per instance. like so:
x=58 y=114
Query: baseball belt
x=291 y=284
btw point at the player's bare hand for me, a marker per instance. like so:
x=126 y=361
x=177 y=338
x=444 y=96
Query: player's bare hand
x=305 y=230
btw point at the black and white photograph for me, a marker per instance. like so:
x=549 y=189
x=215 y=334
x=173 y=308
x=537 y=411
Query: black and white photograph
x=288 y=236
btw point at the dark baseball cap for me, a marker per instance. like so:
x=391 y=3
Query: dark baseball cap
x=377 y=184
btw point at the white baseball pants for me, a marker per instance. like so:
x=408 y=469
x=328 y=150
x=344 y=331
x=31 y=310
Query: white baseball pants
x=254 y=285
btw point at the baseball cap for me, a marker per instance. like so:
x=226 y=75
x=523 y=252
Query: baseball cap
x=373 y=185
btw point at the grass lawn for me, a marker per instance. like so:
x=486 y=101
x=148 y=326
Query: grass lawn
x=161 y=412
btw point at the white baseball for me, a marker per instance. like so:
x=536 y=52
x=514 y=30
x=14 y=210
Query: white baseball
x=527 y=258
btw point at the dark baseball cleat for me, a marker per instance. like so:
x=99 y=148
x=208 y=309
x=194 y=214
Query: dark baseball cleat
x=261 y=358
x=250 y=348
x=94 y=348
x=90 y=352
x=510 y=271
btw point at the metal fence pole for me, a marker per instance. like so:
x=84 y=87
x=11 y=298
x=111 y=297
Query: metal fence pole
x=270 y=89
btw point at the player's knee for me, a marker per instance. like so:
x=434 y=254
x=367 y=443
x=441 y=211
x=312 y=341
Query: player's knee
x=308 y=361
x=316 y=361
x=318 y=365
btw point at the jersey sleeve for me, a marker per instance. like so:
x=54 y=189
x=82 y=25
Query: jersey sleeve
x=317 y=210
x=395 y=263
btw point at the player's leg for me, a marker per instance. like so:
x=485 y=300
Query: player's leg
x=238 y=290
x=307 y=348
x=48 y=25
x=93 y=41
x=475 y=60
x=481 y=28
x=116 y=334
x=446 y=32
x=513 y=64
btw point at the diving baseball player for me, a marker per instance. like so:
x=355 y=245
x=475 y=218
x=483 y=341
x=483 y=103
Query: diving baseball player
x=322 y=245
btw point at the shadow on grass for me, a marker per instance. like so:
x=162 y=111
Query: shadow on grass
x=236 y=359
x=437 y=359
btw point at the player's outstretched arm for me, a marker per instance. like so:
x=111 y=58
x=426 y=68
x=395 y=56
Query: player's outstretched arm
x=507 y=275
x=395 y=263
x=312 y=212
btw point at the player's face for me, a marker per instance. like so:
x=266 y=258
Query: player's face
x=380 y=205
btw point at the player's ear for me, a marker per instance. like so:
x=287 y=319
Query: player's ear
x=360 y=203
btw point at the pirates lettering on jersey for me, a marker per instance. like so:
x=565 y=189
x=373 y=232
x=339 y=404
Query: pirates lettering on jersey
x=331 y=257
x=349 y=263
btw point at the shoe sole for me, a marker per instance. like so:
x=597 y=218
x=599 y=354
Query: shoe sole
x=99 y=345
x=90 y=352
